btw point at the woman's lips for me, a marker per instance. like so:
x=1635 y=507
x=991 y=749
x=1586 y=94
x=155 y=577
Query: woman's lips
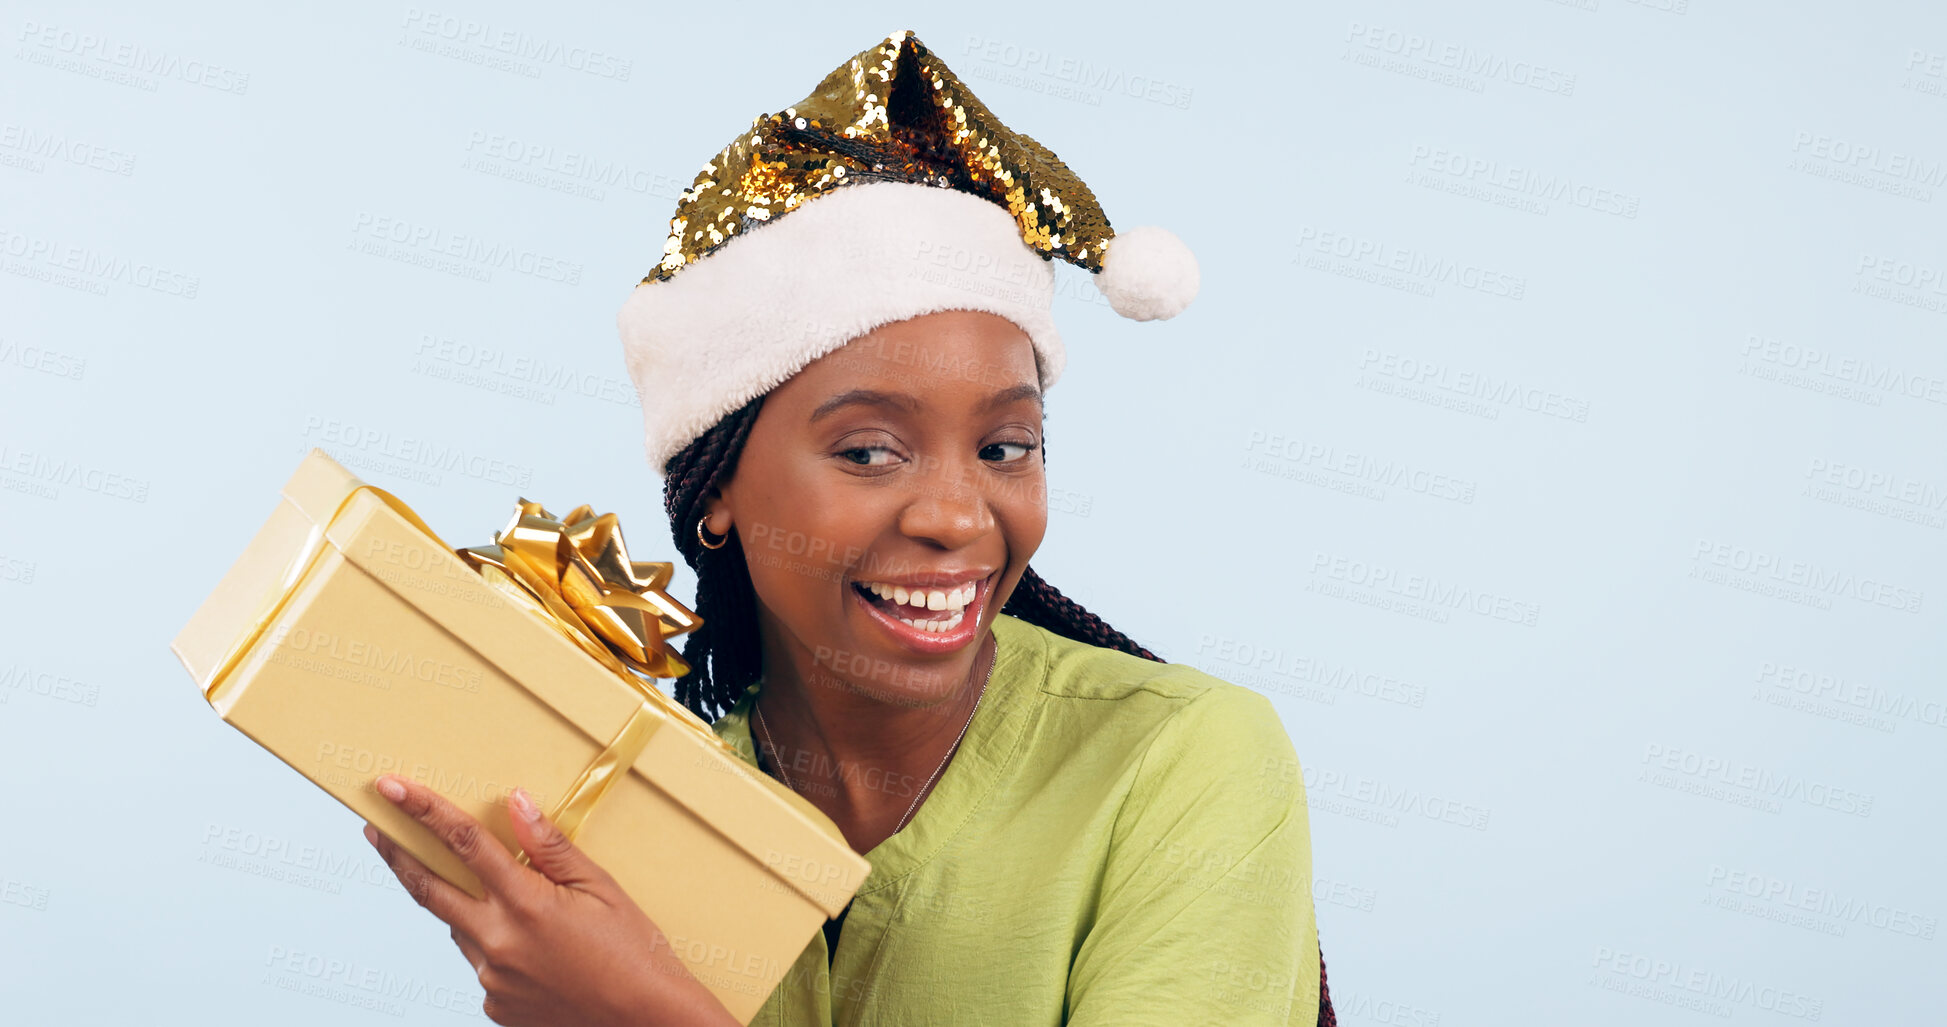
x=955 y=628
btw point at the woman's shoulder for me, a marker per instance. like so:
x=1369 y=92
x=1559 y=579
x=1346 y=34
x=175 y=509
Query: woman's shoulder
x=1198 y=708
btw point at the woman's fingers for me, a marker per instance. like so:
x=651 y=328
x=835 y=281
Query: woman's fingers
x=548 y=849
x=472 y=843
x=474 y=957
x=440 y=897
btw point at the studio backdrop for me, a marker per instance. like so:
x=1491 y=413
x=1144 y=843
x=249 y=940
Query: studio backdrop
x=1557 y=441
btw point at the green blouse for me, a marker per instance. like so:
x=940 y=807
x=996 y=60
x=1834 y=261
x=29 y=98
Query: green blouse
x=1116 y=842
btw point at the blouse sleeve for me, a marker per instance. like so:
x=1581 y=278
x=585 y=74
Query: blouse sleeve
x=1205 y=913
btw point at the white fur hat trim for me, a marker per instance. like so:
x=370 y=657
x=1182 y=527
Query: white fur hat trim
x=777 y=296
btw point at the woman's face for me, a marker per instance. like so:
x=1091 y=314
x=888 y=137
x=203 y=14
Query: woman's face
x=888 y=499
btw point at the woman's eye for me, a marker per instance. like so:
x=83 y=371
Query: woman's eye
x=868 y=456
x=1006 y=452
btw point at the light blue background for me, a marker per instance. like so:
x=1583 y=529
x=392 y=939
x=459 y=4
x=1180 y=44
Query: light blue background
x=1552 y=834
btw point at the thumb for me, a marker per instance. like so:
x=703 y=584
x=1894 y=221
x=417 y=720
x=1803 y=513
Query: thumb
x=548 y=849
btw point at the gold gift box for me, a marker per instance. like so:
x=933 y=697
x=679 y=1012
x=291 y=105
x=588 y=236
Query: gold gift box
x=350 y=642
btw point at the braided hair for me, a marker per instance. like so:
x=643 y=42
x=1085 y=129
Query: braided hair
x=724 y=652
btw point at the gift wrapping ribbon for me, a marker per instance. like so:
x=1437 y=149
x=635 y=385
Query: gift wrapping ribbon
x=575 y=573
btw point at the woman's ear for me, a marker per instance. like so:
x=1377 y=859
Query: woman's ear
x=717 y=517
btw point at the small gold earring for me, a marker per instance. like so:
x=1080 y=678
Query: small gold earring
x=705 y=539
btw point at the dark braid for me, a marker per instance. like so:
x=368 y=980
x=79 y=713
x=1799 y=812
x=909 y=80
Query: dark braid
x=725 y=654
x=1040 y=604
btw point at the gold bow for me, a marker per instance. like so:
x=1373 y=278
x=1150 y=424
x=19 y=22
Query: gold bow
x=576 y=572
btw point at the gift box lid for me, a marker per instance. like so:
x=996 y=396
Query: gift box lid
x=326 y=506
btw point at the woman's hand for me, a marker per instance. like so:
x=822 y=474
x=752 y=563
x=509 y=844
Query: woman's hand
x=554 y=943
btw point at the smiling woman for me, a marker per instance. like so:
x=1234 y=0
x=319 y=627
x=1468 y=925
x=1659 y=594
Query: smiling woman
x=1113 y=840
x=1062 y=828
x=843 y=355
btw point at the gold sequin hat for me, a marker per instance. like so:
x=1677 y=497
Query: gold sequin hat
x=889 y=192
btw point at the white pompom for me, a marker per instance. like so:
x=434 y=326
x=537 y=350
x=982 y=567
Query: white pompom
x=1148 y=274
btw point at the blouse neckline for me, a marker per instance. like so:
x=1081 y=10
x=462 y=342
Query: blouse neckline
x=992 y=739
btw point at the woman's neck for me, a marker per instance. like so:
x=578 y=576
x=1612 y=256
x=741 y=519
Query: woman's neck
x=862 y=751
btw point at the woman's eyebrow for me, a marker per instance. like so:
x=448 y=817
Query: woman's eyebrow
x=1025 y=390
x=867 y=397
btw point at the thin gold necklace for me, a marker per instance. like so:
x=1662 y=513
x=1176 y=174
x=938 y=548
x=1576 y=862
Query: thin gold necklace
x=955 y=747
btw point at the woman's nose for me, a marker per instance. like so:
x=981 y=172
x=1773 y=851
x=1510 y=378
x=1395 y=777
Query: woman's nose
x=947 y=513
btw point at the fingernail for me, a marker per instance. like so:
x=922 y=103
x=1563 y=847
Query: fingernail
x=391 y=789
x=524 y=805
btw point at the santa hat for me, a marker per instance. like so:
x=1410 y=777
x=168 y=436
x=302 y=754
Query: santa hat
x=888 y=193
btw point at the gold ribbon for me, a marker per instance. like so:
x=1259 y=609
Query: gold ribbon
x=281 y=589
x=576 y=573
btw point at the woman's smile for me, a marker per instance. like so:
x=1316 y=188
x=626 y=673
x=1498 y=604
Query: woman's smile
x=927 y=613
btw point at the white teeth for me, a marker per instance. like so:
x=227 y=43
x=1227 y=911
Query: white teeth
x=935 y=599
x=935 y=626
